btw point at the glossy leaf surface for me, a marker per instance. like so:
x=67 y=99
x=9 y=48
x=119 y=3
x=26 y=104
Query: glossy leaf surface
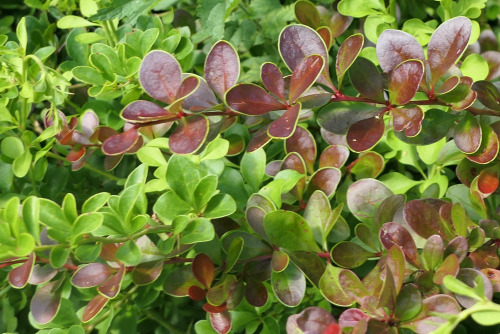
x=304 y=75
x=395 y=47
x=252 y=100
x=189 y=135
x=161 y=76
x=222 y=68
x=348 y=52
x=404 y=82
x=272 y=79
x=365 y=134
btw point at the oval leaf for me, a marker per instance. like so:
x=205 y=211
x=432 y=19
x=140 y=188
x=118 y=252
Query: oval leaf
x=395 y=46
x=404 y=82
x=348 y=52
x=189 y=134
x=161 y=75
x=222 y=68
x=304 y=75
x=251 y=100
x=365 y=134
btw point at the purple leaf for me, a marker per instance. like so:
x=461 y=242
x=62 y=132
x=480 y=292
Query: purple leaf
x=493 y=60
x=428 y=320
x=487 y=94
x=45 y=303
x=221 y=321
x=351 y=317
x=147 y=272
x=201 y=99
x=348 y=52
x=91 y=275
x=144 y=111
x=450 y=84
x=326 y=35
x=256 y=293
x=339 y=23
x=326 y=179
x=74 y=156
x=313 y=319
x=160 y=75
x=395 y=46
x=408 y=119
x=89 y=122
x=304 y=75
x=259 y=139
x=334 y=156
x=394 y=234
x=111 y=287
x=488 y=150
x=252 y=100
x=222 y=68
x=284 y=126
x=19 y=276
x=468 y=134
x=446 y=45
x=189 y=134
x=94 y=307
x=279 y=261
x=42 y=274
x=120 y=143
x=203 y=269
x=304 y=144
x=365 y=134
x=424 y=219
x=404 y=82
x=367 y=80
x=272 y=79
x=364 y=197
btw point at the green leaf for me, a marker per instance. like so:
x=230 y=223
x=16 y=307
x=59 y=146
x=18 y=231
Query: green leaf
x=22 y=33
x=221 y=205
x=123 y=8
x=169 y=206
x=487 y=318
x=361 y=8
x=88 y=7
x=129 y=253
x=475 y=66
x=253 y=167
x=183 y=176
x=59 y=256
x=69 y=207
x=72 y=21
x=398 y=183
x=289 y=230
x=95 y=202
x=89 y=75
x=205 y=190
x=289 y=285
x=347 y=254
x=51 y=215
x=234 y=252
x=459 y=287
x=12 y=147
x=87 y=223
x=22 y=164
x=199 y=230
x=215 y=149
x=212 y=15
x=31 y=213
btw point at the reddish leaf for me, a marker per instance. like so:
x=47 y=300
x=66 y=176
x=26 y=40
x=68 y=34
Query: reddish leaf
x=294 y=161
x=272 y=79
x=189 y=134
x=313 y=319
x=304 y=75
x=468 y=134
x=304 y=144
x=222 y=68
x=160 y=75
x=446 y=45
x=395 y=46
x=351 y=317
x=256 y=293
x=326 y=35
x=489 y=146
x=487 y=94
x=251 y=100
x=111 y=161
x=450 y=266
x=395 y=234
x=147 y=272
x=284 y=126
x=201 y=99
x=423 y=218
x=297 y=42
x=339 y=23
x=365 y=134
x=92 y=274
x=19 y=276
x=404 y=82
x=348 y=52
x=408 y=119
x=74 y=156
x=144 y=111
x=196 y=293
x=367 y=80
x=325 y=179
x=94 y=307
x=221 y=322
x=111 y=287
x=236 y=144
x=334 y=156
x=179 y=281
x=120 y=143
x=259 y=139
x=203 y=269
x=42 y=274
x=188 y=86
x=428 y=319
x=450 y=84
x=487 y=181
x=45 y=303
x=279 y=261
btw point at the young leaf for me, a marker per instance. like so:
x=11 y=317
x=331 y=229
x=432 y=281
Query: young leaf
x=395 y=234
x=364 y=197
x=284 y=126
x=222 y=68
x=203 y=269
x=304 y=75
x=121 y=143
x=404 y=82
x=251 y=100
x=111 y=287
x=92 y=274
x=304 y=144
x=395 y=46
x=326 y=179
x=348 y=52
x=468 y=134
x=408 y=119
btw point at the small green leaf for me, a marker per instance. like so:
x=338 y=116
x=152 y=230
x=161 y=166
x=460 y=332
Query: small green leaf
x=95 y=202
x=347 y=254
x=253 y=167
x=22 y=33
x=199 y=230
x=87 y=223
x=221 y=205
x=475 y=66
x=22 y=164
x=12 y=147
x=72 y=21
x=129 y=253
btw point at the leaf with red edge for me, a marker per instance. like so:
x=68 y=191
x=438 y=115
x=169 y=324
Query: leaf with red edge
x=404 y=81
x=92 y=274
x=189 y=135
x=272 y=79
x=294 y=161
x=45 y=303
x=256 y=293
x=365 y=134
x=488 y=94
x=325 y=179
x=284 y=126
x=488 y=150
x=111 y=287
x=468 y=134
x=304 y=144
x=222 y=68
x=394 y=234
x=487 y=180
x=19 y=276
x=161 y=75
x=297 y=42
x=396 y=46
x=120 y=143
x=334 y=156
x=304 y=75
x=94 y=307
x=446 y=45
x=326 y=35
x=367 y=80
x=196 y=293
x=147 y=272
x=221 y=322
x=408 y=119
x=250 y=99
x=307 y=13
x=259 y=139
x=313 y=319
x=203 y=269
x=144 y=111
x=348 y=52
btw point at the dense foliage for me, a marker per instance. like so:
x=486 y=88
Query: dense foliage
x=300 y=167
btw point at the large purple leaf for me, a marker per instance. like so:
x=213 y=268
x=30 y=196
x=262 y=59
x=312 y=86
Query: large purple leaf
x=203 y=269
x=367 y=80
x=339 y=116
x=94 y=307
x=394 y=234
x=256 y=293
x=351 y=317
x=19 y=276
x=121 y=143
x=348 y=52
x=304 y=75
x=304 y=144
x=339 y=23
x=144 y=111
x=468 y=134
x=272 y=79
x=222 y=68
x=45 y=303
x=252 y=100
x=365 y=134
x=284 y=126
x=161 y=75
x=408 y=119
x=404 y=82
x=447 y=45
x=189 y=134
x=297 y=42
x=334 y=156
x=42 y=274
x=221 y=321
x=201 y=99
x=424 y=219
x=92 y=274
x=326 y=179
x=395 y=46
x=147 y=272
